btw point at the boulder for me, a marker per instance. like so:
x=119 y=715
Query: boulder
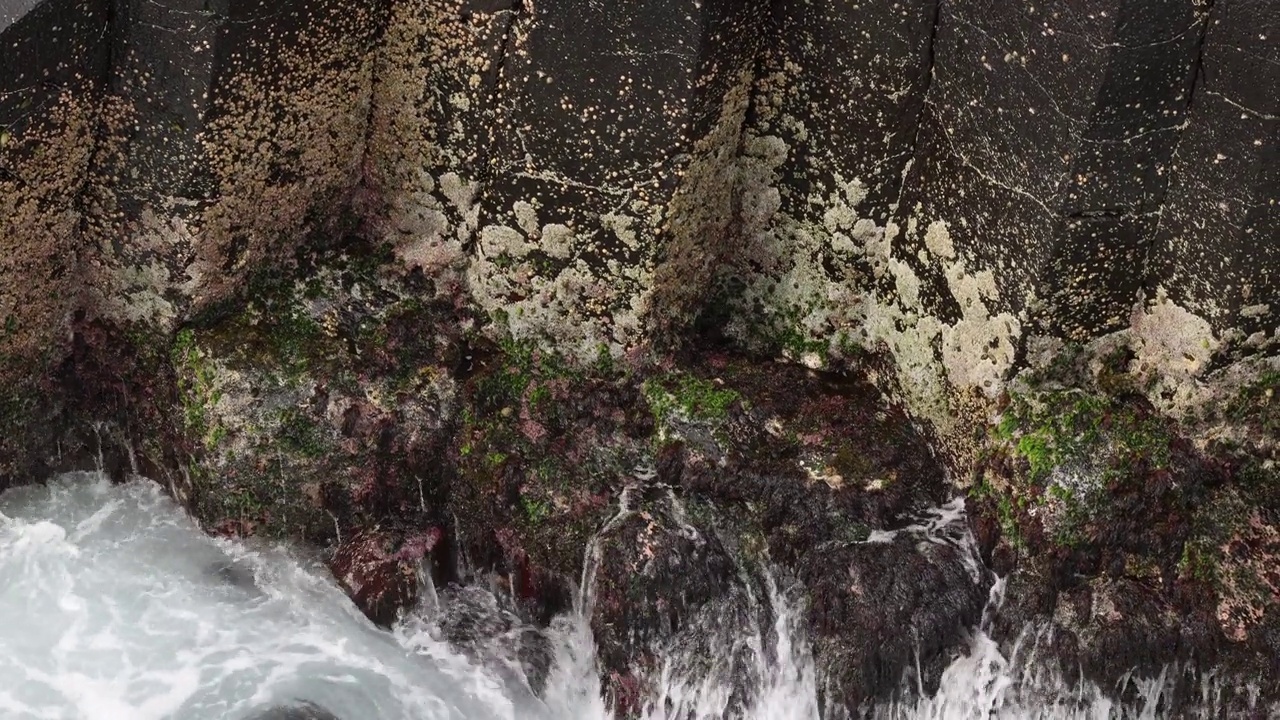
x=1130 y=549
x=380 y=572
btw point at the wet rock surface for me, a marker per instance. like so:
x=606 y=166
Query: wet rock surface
x=448 y=286
x=381 y=573
x=301 y=711
x=1133 y=542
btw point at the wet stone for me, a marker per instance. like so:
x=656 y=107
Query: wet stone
x=612 y=171
x=382 y=582
x=53 y=57
x=301 y=711
x=233 y=134
x=1068 y=150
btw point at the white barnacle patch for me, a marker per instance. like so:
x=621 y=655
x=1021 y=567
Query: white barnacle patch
x=938 y=240
x=1170 y=340
x=499 y=240
x=1254 y=311
x=462 y=194
x=621 y=227
x=978 y=350
x=526 y=216
x=558 y=240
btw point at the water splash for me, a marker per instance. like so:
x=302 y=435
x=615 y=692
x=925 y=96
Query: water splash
x=116 y=606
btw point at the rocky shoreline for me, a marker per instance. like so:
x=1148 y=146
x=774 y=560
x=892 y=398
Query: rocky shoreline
x=319 y=410
x=444 y=285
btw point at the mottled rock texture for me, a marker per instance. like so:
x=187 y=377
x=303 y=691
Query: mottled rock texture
x=616 y=130
x=234 y=133
x=428 y=280
x=1132 y=541
x=956 y=180
x=52 y=73
x=1216 y=250
x=951 y=180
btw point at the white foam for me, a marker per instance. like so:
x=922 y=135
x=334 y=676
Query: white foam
x=112 y=608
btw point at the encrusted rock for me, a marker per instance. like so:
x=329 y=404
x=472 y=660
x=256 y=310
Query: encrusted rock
x=1135 y=543
x=380 y=572
x=51 y=80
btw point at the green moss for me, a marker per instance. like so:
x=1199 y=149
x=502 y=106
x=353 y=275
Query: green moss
x=299 y=433
x=1198 y=562
x=604 y=364
x=796 y=343
x=1102 y=444
x=1051 y=430
x=197 y=390
x=853 y=532
x=1006 y=511
x=691 y=397
x=535 y=511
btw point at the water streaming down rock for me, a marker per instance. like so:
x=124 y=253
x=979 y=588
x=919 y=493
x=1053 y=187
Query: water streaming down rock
x=116 y=606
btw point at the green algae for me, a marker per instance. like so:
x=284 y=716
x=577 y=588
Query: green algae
x=687 y=397
x=1077 y=449
x=197 y=390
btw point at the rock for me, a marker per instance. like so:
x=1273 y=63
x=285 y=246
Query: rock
x=235 y=574
x=1068 y=150
x=233 y=135
x=1223 y=184
x=300 y=711
x=380 y=574
x=51 y=80
x=883 y=611
x=432 y=130
x=835 y=107
x=653 y=572
x=616 y=127
x=481 y=623
x=319 y=406
x=1128 y=548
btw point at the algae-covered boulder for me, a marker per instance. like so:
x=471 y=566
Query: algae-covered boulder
x=317 y=405
x=1139 y=539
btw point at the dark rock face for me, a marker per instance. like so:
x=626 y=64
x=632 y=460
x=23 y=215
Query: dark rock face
x=232 y=134
x=611 y=177
x=379 y=571
x=880 y=607
x=653 y=571
x=1216 y=251
x=51 y=77
x=758 y=464
x=1056 y=127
